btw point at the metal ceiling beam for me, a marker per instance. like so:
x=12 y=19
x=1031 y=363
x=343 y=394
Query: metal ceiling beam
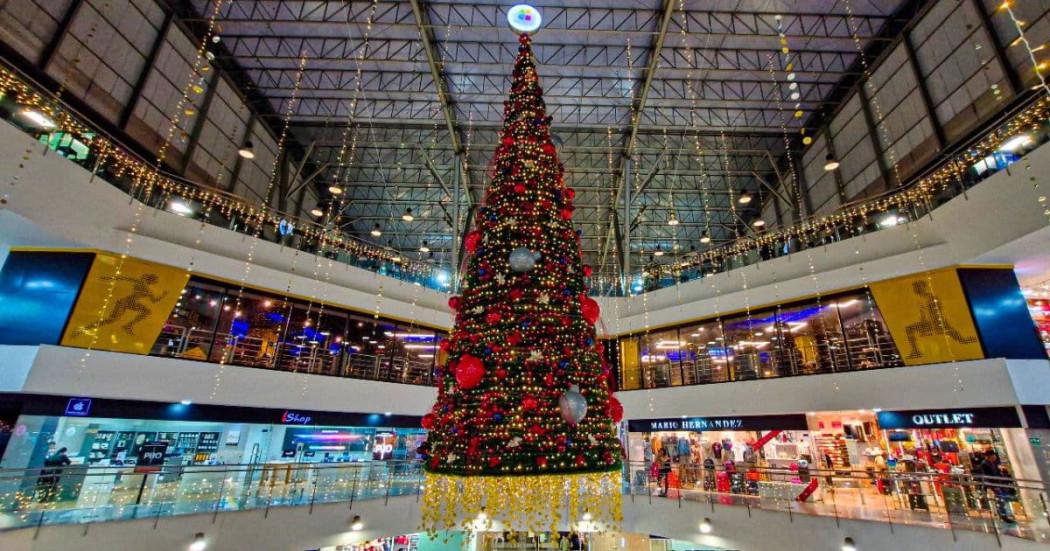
x=426 y=36
x=667 y=10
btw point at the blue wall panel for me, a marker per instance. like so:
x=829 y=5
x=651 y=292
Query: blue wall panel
x=37 y=293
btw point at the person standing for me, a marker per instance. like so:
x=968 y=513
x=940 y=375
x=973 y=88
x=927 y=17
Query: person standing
x=51 y=475
x=665 y=471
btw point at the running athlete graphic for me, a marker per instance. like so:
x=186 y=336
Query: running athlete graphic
x=131 y=303
x=931 y=321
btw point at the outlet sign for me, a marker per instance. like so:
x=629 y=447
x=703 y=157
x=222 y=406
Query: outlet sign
x=1003 y=417
x=294 y=418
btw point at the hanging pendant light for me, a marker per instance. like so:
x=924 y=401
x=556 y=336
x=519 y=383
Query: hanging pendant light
x=744 y=198
x=830 y=163
x=704 y=237
x=673 y=220
x=247 y=150
x=424 y=248
x=407 y=216
x=316 y=211
x=376 y=232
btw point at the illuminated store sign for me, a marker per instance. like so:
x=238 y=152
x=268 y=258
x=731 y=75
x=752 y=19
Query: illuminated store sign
x=293 y=418
x=753 y=422
x=1004 y=417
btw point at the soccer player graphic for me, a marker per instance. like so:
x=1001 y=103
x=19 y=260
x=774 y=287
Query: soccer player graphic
x=931 y=321
x=132 y=302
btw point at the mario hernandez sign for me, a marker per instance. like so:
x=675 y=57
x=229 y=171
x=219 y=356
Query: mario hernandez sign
x=751 y=422
x=1004 y=417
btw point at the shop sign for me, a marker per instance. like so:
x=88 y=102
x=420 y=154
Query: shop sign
x=975 y=417
x=151 y=457
x=754 y=422
x=293 y=418
x=78 y=407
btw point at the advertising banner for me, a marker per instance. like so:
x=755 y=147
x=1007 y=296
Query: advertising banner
x=928 y=317
x=123 y=305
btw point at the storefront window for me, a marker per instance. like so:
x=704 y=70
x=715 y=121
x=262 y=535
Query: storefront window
x=810 y=340
x=750 y=346
x=189 y=331
x=867 y=341
x=704 y=354
x=661 y=359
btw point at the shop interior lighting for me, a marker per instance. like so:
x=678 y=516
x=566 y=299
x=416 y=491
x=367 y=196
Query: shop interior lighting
x=247 y=151
x=830 y=163
x=356 y=524
x=705 y=526
x=669 y=344
x=38 y=119
x=1016 y=143
x=199 y=543
x=180 y=208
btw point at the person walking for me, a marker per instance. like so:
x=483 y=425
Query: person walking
x=665 y=470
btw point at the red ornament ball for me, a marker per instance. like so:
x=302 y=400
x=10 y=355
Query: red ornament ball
x=492 y=318
x=549 y=149
x=615 y=409
x=453 y=303
x=445 y=345
x=590 y=309
x=568 y=194
x=472 y=240
x=529 y=403
x=587 y=270
x=566 y=213
x=469 y=372
x=428 y=421
x=541 y=462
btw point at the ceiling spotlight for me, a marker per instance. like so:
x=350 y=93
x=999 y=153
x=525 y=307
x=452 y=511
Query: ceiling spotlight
x=316 y=211
x=849 y=545
x=335 y=190
x=830 y=163
x=759 y=223
x=705 y=526
x=199 y=543
x=407 y=216
x=247 y=150
x=673 y=220
x=424 y=248
x=704 y=237
x=744 y=198
x=356 y=524
x=376 y=232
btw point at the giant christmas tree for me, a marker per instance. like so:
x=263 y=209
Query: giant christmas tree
x=523 y=427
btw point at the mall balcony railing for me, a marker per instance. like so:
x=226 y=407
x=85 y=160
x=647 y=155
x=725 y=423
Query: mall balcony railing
x=999 y=505
x=682 y=267
x=88 y=494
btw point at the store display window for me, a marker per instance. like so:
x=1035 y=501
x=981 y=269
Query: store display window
x=750 y=348
x=661 y=359
x=216 y=323
x=704 y=354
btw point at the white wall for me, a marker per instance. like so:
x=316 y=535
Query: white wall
x=296 y=529
x=69 y=371
x=978 y=383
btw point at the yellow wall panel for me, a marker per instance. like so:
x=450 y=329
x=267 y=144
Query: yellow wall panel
x=123 y=305
x=928 y=317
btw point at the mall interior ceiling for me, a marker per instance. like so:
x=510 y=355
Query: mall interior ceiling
x=707 y=113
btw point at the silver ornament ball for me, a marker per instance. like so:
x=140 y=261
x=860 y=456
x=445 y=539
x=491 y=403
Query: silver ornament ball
x=573 y=405
x=522 y=259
